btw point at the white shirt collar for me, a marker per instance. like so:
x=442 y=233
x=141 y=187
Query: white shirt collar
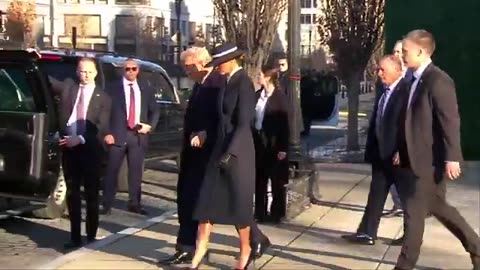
x=206 y=76
x=394 y=84
x=233 y=73
x=127 y=82
x=418 y=73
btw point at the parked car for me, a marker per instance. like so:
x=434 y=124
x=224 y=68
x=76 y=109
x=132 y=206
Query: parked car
x=30 y=166
x=60 y=64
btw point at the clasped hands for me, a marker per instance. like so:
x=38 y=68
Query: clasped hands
x=144 y=129
x=452 y=168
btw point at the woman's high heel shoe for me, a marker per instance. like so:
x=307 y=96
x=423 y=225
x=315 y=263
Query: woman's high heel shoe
x=250 y=265
x=205 y=258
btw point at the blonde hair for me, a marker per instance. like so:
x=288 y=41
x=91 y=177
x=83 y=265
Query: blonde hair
x=422 y=38
x=198 y=54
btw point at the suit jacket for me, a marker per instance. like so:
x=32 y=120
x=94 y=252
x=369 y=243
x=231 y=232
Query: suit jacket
x=149 y=111
x=98 y=113
x=275 y=121
x=432 y=123
x=382 y=148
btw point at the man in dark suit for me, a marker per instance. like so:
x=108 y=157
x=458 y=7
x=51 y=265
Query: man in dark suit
x=84 y=111
x=382 y=146
x=200 y=128
x=430 y=152
x=134 y=114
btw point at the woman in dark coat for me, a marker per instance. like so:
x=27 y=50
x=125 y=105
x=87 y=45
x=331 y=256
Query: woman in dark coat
x=226 y=195
x=270 y=134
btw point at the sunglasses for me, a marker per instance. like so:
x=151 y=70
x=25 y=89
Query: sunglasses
x=128 y=69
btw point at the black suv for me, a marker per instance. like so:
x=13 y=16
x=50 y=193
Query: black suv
x=30 y=166
x=165 y=142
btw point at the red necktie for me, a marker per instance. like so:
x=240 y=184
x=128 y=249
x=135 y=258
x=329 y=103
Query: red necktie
x=131 y=109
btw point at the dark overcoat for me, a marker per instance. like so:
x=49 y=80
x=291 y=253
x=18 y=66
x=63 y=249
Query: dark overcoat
x=226 y=196
x=201 y=114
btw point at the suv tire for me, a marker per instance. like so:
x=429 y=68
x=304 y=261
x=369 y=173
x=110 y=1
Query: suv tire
x=56 y=202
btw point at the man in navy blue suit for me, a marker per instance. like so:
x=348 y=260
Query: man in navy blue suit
x=134 y=114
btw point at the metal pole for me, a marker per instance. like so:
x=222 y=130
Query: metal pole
x=294 y=79
x=178 y=9
x=52 y=22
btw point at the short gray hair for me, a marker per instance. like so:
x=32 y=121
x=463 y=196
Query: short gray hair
x=199 y=54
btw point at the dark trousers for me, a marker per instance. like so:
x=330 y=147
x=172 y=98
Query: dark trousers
x=420 y=196
x=135 y=153
x=382 y=180
x=268 y=167
x=82 y=168
x=190 y=179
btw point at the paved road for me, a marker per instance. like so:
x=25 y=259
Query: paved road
x=26 y=243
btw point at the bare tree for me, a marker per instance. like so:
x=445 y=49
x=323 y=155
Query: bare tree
x=21 y=19
x=353 y=30
x=251 y=24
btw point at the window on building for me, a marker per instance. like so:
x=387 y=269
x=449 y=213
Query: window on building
x=306 y=18
x=132 y=2
x=87 y=25
x=192 y=33
x=96 y=2
x=126 y=26
x=183 y=28
x=68 y=1
x=306 y=3
x=173 y=27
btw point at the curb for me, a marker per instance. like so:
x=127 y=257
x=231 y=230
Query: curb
x=109 y=240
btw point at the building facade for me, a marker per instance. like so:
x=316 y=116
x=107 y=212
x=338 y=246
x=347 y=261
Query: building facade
x=312 y=52
x=143 y=27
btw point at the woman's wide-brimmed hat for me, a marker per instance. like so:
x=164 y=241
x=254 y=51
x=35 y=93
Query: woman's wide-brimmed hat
x=224 y=53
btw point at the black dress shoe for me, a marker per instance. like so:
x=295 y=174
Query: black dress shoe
x=137 y=210
x=359 y=238
x=72 y=245
x=398 y=241
x=258 y=249
x=179 y=257
x=91 y=240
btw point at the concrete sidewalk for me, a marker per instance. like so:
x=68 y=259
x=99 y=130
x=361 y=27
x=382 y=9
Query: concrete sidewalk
x=310 y=241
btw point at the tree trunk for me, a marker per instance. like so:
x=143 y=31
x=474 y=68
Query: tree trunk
x=353 y=91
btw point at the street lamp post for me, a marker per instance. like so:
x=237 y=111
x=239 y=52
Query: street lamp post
x=178 y=11
x=294 y=78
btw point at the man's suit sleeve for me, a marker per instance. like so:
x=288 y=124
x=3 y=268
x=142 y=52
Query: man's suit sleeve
x=104 y=128
x=153 y=109
x=445 y=109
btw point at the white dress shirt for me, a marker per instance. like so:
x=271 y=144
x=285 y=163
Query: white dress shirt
x=72 y=121
x=260 y=109
x=417 y=74
x=138 y=98
x=389 y=93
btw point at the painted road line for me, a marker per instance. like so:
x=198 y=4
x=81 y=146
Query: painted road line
x=64 y=259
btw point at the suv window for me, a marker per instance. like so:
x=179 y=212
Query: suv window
x=163 y=89
x=61 y=68
x=152 y=77
x=15 y=91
